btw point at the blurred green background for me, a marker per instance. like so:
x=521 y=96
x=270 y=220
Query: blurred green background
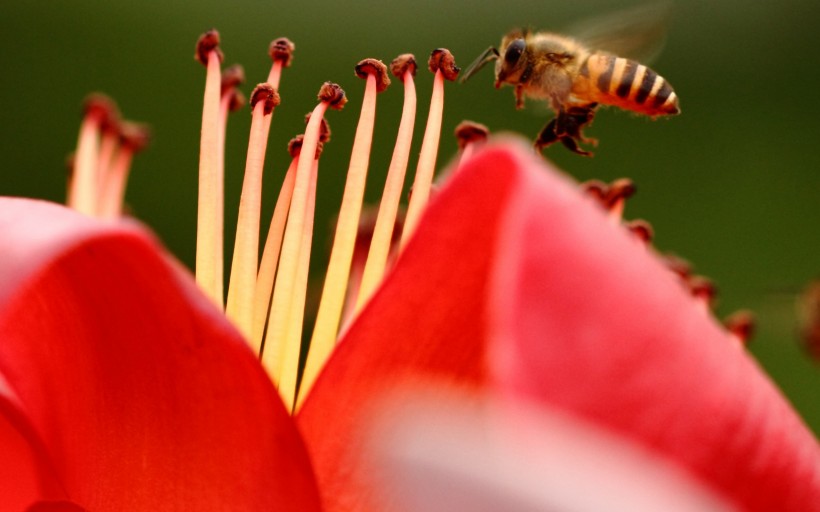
x=733 y=184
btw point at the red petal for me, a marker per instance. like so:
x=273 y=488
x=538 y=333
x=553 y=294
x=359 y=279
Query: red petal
x=142 y=395
x=426 y=321
x=591 y=322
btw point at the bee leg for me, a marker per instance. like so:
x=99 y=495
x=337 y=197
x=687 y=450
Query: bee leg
x=519 y=97
x=547 y=136
x=573 y=146
x=577 y=118
x=569 y=126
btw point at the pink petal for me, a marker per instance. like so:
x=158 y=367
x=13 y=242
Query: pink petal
x=487 y=455
x=139 y=392
x=590 y=322
x=426 y=321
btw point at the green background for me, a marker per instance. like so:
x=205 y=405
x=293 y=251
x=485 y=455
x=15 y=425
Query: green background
x=732 y=184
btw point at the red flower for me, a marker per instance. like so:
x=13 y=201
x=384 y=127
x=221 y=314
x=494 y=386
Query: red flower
x=123 y=388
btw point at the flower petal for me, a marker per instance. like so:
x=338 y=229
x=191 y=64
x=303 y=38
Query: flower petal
x=426 y=321
x=142 y=395
x=488 y=455
x=588 y=320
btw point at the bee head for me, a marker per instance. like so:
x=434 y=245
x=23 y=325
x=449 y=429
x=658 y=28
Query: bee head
x=512 y=61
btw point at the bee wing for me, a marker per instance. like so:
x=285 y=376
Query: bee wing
x=637 y=33
x=489 y=55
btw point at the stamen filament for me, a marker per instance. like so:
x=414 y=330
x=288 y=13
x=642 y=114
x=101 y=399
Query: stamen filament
x=281 y=53
x=404 y=68
x=284 y=290
x=333 y=294
x=133 y=139
x=105 y=158
x=443 y=65
x=208 y=246
x=246 y=248
x=293 y=343
x=84 y=193
x=270 y=257
x=231 y=99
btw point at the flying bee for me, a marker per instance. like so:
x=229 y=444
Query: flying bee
x=575 y=80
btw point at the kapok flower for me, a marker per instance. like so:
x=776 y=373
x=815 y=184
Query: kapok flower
x=123 y=386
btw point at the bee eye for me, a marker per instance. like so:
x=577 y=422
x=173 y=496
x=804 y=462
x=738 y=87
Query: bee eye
x=514 y=51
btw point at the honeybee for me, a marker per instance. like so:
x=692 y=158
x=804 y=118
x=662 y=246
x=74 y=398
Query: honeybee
x=575 y=80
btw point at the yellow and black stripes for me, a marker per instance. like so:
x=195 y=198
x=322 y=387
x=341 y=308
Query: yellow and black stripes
x=627 y=84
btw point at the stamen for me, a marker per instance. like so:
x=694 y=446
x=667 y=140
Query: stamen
x=284 y=293
x=403 y=67
x=341 y=255
x=133 y=138
x=109 y=142
x=443 y=65
x=703 y=289
x=677 y=265
x=84 y=193
x=641 y=229
x=246 y=249
x=209 y=232
x=231 y=100
x=742 y=325
x=596 y=189
x=281 y=53
x=293 y=344
x=273 y=244
x=619 y=191
x=470 y=135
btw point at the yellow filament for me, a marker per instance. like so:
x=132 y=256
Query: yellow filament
x=208 y=245
x=275 y=74
x=283 y=291
x=388 y=209
x=83 y=194
x=293 y=343
x=338 y=271
x=270 y=257
x=246 y=247
x=427 y=160
x=113 y=187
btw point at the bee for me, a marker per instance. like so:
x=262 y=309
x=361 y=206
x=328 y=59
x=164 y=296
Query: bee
x=575 y=79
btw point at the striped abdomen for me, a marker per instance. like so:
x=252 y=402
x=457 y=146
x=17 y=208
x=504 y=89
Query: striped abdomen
x=626 y=84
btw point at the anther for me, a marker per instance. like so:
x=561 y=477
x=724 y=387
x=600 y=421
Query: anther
x=642 y=229
x=135 y=136
x=333 y=95
x=265 y=92
x=232 y=77
x=324 y=128
x=468 y=132
x=441 y=59
x=281 y=49
x=596 y=189
x=677 y=265
x=208 y=42
x=620 y=190
x=236 y=100
x=101 y=107
x=402 y=64
x=374 y=67
x=702 y=288
x=742 y=325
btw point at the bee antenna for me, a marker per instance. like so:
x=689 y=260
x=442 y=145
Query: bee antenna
x=489 y=55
